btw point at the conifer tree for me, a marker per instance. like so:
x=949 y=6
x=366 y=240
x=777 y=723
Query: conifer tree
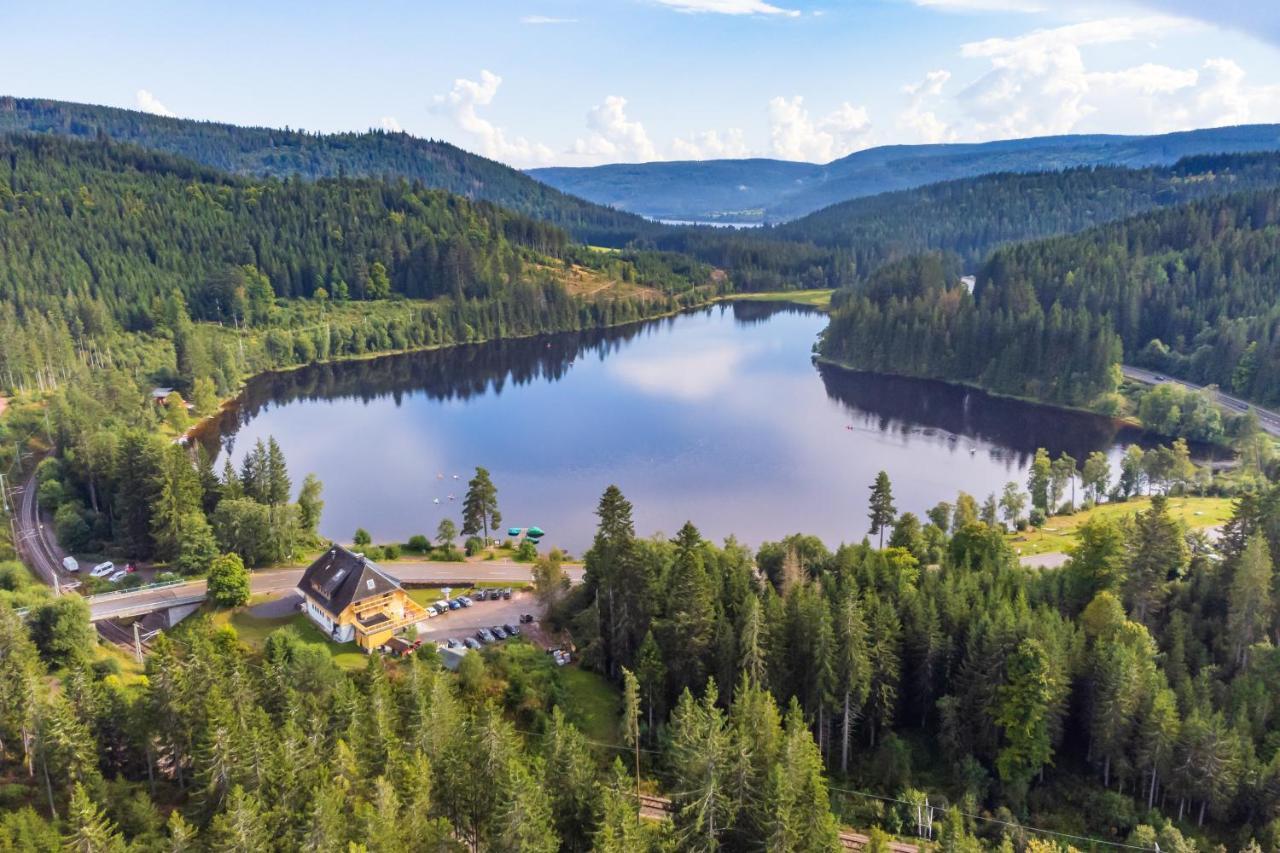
x=882 y=510
x=480 y=506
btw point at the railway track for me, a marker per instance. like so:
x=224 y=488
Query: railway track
x=659 y=808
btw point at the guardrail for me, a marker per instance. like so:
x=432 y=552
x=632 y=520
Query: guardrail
x=122 y=593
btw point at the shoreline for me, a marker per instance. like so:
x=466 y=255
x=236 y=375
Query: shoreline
x=1130 y=422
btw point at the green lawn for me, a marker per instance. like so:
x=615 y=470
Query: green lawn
x=592 y=704
x=1059 y=533
x=815 y=298
x=253 y=630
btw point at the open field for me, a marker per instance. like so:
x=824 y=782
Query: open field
x=815 y=298
x=1059 y=533
x=592 y=703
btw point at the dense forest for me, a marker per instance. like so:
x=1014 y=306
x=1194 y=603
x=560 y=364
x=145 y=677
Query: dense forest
x=844 y=245
x=1191 y=290
x=95 y=238
x=770 y=695
x=284 y=153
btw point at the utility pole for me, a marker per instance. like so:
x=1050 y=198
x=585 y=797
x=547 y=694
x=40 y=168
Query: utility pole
x=137 y=644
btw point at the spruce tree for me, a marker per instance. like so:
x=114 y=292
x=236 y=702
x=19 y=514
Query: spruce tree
x=882 y=509
x=480 y=506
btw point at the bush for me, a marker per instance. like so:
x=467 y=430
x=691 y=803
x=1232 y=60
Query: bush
x=474 y=546
x=447 y=555
x=373 y=552
x=1037 y=517
x=390 y=552
x=527 y=552
x=361 y=537
x=419 y=544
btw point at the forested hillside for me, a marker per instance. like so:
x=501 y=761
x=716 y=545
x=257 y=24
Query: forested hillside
x=94 y=236
x=846 y=243
x=281 y=153
x=1192 y=289
x=775 y=191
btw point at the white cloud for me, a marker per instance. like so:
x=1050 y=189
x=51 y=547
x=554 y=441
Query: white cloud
x=982 y=5
x=729 y=7
x=919 y=119
x=148 y=103
x=390 y=124
x=613 y=136
x=461 y=105
x=1257 y=18
x=543 y=19
x=711 y=144
x=1040 y=84
x=794 y=135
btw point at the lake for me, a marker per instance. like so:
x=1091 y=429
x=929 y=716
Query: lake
x=718 y=416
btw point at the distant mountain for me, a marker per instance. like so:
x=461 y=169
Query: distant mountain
x=763 y=190
x=263 y=151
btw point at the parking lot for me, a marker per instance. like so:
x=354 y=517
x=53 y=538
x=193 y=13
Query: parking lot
x=465 y=621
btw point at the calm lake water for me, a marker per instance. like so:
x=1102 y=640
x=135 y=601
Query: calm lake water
x=718 y=416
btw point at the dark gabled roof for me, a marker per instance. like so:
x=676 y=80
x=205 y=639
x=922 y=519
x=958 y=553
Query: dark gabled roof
x=340 y=578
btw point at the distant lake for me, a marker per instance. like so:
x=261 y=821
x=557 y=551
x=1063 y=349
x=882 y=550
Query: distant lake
x=717 y=416
x=712 y=223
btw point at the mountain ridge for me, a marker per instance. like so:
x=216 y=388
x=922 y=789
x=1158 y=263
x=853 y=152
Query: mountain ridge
x=769 y=190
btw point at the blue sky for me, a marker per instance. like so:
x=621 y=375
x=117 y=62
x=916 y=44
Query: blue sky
x=579 y=82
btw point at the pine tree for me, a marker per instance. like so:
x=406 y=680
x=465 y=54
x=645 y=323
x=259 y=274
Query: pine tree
x=92 y=831
x=1249 y=600
x=689 y=626
x=1022 y=712
x=854 y=670
x=631 y=717
x=1156 y=553
x=240 y=827
x=480 y=506
x=524 y=821
x=882 y=509
x=700 y=759
x=651 y=672
x=277 y=486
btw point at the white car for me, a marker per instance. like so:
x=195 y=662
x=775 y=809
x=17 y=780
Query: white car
x=70 y=564
x=103 y=569
x=116 y=577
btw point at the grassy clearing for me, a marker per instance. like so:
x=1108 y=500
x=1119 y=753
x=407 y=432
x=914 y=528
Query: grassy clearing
x=592 y=703
x=814 y=298
x=254 y=630
x=1059 y=532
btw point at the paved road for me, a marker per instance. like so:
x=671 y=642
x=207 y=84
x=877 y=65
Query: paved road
x=120 y=604
x=1267 y=419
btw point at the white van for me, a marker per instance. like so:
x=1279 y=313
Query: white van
x=70 y=564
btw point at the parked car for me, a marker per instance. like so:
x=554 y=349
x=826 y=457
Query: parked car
x=481 y=595
x=103 y=569
x=453 y=604
x=116 y=577
x=526 y=618
x=464 y=601
x=506 y=593
x=497 y=631
x=70 y=564
x=453 y=643
x=130 y=568
x=472 y=643
x=512 y=630
x=485 y=636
